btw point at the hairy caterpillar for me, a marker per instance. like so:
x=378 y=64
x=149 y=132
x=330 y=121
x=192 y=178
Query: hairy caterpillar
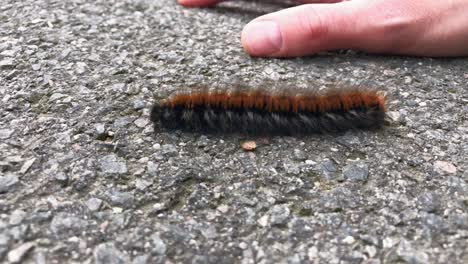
x=262 y=112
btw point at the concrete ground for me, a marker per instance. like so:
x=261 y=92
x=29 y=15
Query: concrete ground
x=85 y=178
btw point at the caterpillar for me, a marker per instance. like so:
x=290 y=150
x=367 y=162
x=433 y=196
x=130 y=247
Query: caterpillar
x=262 y=112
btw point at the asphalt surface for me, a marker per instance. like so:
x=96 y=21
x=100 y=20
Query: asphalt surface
x=86 y=178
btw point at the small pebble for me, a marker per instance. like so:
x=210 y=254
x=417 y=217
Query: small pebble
x=94 y=204
x=249 y=145
x=223 y=208
x=349 y=240
x=263 y=221
x=17 y=254
x=7 y=183
x=445 y=166
x=6 y=133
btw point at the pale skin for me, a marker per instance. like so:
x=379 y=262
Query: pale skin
x=407 y=27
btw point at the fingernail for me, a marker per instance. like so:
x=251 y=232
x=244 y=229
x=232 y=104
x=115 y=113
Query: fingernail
x=262 y=38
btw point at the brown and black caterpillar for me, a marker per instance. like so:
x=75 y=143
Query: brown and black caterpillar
x=261 y=112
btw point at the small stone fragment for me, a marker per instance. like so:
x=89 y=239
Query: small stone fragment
x=108 y=253
x=4 y=240
x=157 y=146
x=209 y=232
x=61 y=177
x=169 y=150
x=138 y=104
x=203 y=141
x=356 y=172
x=243 y=245
x=157 y=207
x=445 y=166
x=36 y=66
x=7 y=183
x=112 y=164
x=279 y=214
x=144 y=259
x=7 y=63
x=117 y=210
x=17 y=254
x=151 y=168
x=349 y=240
x=223 y=208
x=26 y=165
x=370 y=250
x=17 y=217
x=159 y=247
x=141 y=122
x=94 y=204
x=65 y=53
x=142 y=184
x=6 y=133
x=407 y=253
x=100 y=128
x=8 y=53
x=81 y=67
x=328 y=170
x=291 y=167
x=408 y=79
x=263 y=221
x=67 y=224
x=121 y=199
x=299 y=155
x=429 y=202
x=249 y=145
x=57 y=96
x=394 y=116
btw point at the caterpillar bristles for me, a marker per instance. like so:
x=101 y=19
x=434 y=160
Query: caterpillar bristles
x=261 y=112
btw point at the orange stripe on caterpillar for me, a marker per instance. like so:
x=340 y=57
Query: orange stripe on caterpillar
x=342 y=101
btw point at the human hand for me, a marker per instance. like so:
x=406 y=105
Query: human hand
x=422 y=28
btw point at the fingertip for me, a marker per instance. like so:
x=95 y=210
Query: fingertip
x=261 y=38
x=183 y=2
x=301 y=30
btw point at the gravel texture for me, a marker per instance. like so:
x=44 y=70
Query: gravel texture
x=84 y=177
